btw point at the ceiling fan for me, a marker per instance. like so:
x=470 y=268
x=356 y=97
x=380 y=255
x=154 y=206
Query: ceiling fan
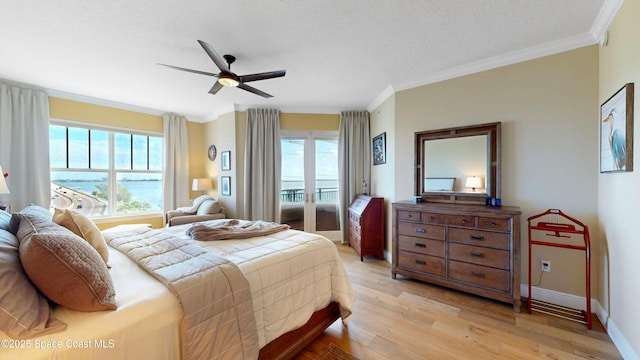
x=228 y=78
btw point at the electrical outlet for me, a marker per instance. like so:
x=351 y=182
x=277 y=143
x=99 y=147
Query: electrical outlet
x=545 y=265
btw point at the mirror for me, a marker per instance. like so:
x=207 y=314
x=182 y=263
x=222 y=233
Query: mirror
x=459 y=164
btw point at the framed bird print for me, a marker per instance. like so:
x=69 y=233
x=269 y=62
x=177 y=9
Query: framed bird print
x=616 y=131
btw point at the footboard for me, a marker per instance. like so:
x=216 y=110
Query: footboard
x=291 y=343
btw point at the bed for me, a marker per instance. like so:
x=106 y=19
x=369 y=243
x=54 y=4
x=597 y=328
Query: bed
x=297 y=284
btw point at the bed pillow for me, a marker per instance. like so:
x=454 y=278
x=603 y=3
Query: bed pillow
x=209 y=207
x=24 y=312
x=82 y=226
x=34 y=212
x=64 y=267
x=5 y=218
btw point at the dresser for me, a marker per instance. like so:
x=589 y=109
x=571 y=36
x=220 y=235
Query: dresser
x=366 y=226
x=472 y=248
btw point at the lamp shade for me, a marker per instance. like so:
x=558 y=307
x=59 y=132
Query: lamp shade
x=4 y=189
x=473 y=182
x=201 y=184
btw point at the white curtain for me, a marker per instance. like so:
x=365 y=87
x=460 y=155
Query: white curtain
x=262 y=165
x=354 y=159
x=24 y=145
x=176 y=162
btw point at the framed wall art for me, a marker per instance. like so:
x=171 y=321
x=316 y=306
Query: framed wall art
x=225 y=186
x=226 y=160
x=616 y=131
x=380 y=149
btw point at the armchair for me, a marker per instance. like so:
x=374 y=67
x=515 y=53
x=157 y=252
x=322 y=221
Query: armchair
x=204 y=208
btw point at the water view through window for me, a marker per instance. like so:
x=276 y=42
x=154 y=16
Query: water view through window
x=82 y=177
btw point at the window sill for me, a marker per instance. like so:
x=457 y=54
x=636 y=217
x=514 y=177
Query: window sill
x=126 y=218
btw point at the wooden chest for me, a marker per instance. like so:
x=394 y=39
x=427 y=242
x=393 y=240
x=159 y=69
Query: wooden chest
x=366 y=226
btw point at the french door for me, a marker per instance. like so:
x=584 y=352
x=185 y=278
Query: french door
x=309 y=188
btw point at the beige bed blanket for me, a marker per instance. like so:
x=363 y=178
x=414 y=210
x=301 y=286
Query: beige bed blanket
x=234 y=229
x=219 y=320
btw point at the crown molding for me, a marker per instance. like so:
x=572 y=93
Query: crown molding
x=604 y=19
x=103 y=102
x=384 y=95
x=514 y=57
x=95 y=101
x=534 y=52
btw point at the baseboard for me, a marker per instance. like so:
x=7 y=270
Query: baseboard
x=556 y=297
x=621 y=342
x=579 y=302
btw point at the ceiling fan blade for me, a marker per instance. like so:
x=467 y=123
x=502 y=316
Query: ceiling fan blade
x=262 y=76
x=188 y=70
x=217 y=59
x=254 y=90
x=215 y=88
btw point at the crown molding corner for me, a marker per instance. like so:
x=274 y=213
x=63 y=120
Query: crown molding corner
x=384 y=95
x=604 y=19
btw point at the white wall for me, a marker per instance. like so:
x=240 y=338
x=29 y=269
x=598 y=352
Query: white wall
x=548 y=108
x=222 y=134
x=382 y=177
x=619 y=193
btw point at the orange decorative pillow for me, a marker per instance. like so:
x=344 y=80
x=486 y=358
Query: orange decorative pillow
x=82 y=226
x=65 y=268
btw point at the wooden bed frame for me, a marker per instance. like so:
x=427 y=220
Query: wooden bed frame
x=289 y=344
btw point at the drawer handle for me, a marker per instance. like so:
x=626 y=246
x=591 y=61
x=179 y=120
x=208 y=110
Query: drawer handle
x=476 y=254
x=421 y=231
x=430 y=217
x=421 y=262
x=477 y=274
x=464 y=222
x=493 y=224
x=420 y=245
x=476 y=238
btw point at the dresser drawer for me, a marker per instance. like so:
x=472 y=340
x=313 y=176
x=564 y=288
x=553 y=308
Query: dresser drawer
x=354 y=217
x=432 y=218
x=419 y=262
x=460 y=220
x=421 y=245
x=354 y=227
x=354 y=240
x=479 y=275
x=435 y=232
x=479 y=255
x=409 y=216
x=479 y=238
x=494 y=224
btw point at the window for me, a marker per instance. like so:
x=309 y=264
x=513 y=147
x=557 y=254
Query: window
x=103 y=172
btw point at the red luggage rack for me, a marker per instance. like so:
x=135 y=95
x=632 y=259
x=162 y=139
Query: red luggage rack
x=561 y=230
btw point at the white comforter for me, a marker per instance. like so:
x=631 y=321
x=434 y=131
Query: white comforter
x=145 y=326
x=291 y=274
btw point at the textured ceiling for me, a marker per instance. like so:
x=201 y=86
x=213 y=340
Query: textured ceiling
x=339 y=54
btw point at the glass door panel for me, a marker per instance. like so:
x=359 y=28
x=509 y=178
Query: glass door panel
x=309 y=188
x=326 y=206
x=292 y=194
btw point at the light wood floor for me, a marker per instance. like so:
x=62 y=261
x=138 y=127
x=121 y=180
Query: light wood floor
x=407 y=319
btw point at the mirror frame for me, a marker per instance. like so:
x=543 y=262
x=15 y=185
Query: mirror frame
x=492 y=131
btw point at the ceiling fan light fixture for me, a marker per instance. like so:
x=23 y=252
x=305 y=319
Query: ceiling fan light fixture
x=228 y=80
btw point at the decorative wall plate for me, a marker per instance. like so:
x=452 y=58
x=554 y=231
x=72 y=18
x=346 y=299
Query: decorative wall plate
x=212 y=152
